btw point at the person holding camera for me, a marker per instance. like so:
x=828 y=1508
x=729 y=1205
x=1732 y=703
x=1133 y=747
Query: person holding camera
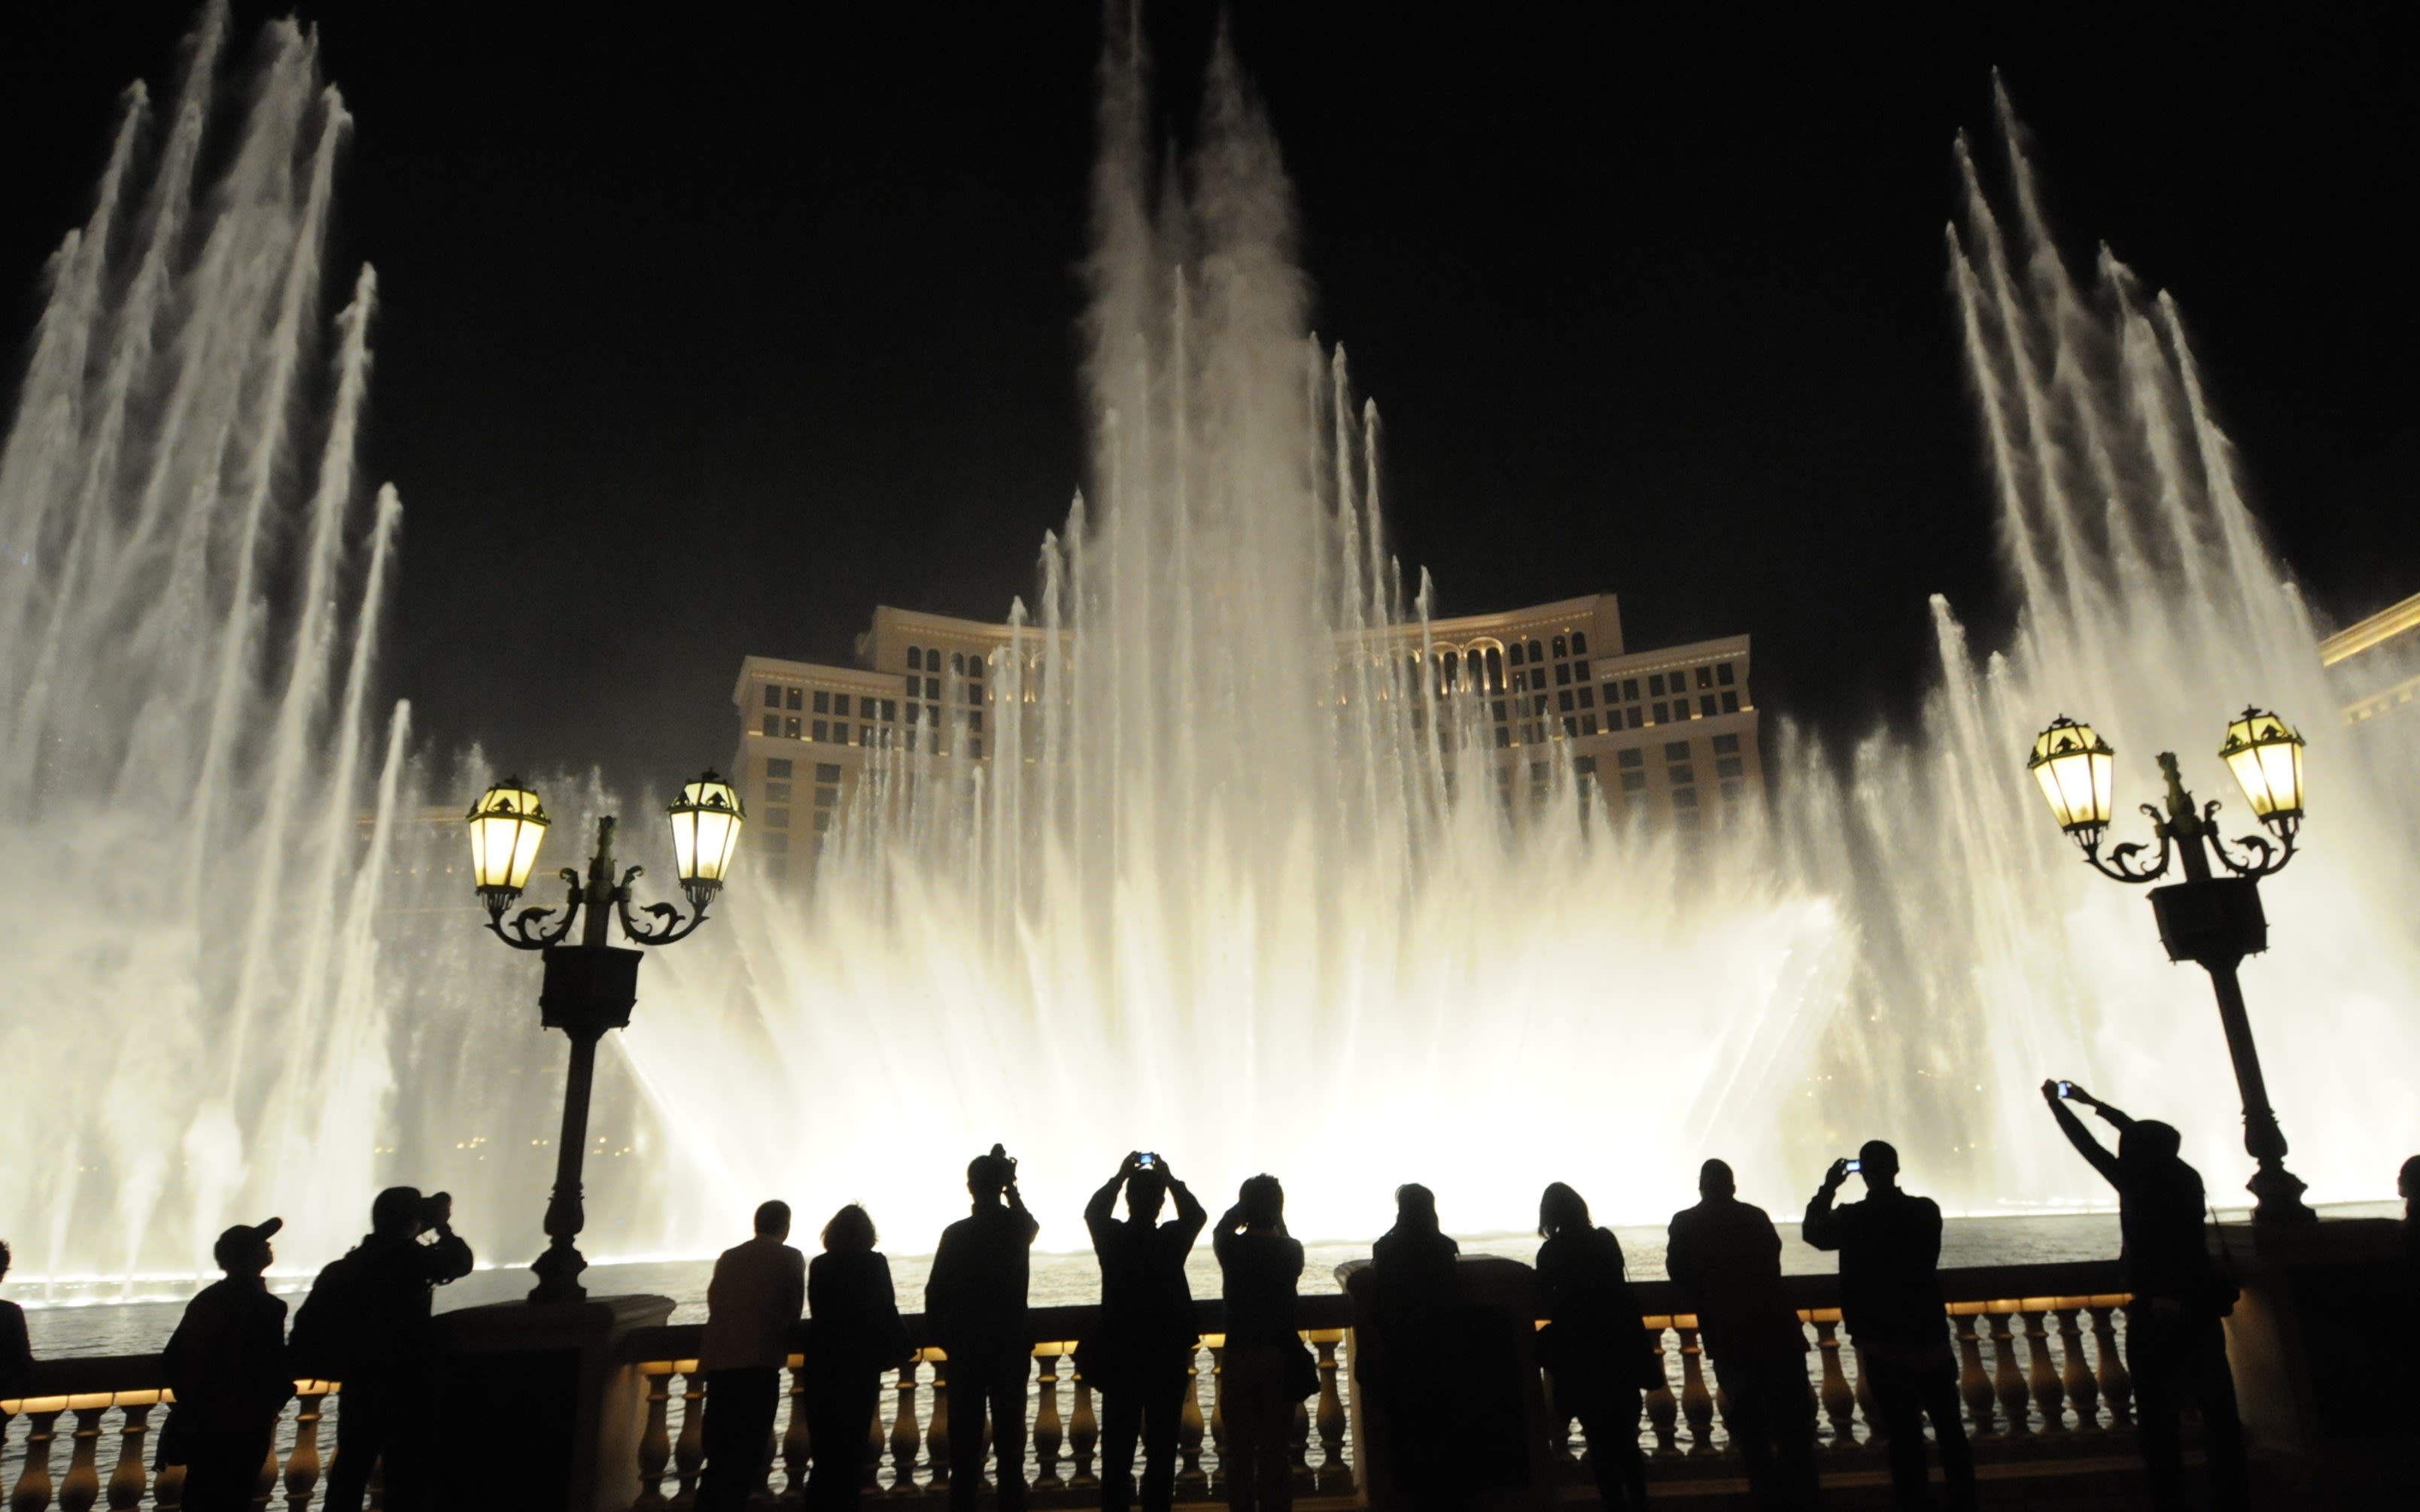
x=1138 y=1352
x=1890 y=1297
x=366 y=1324
x=1267 y=1369
x=2176 y=1343
x=227 y=1365
x=974 y=1299
x=757 y=1291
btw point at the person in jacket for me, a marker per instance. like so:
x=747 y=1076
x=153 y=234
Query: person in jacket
x=1138 y=1352
x=1890 y=1297
x=1595 y=1343
x=974 y=1301
x=853 y=1334
x=377 y=1340
x=757 y=1291
x=1725 y=1256
x=226 y=1363
x=1413 y=1275
x=16 y=1350
x=2176 y=1343
x=1260 y=1267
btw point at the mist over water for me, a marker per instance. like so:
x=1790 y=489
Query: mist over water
x=1234 y=907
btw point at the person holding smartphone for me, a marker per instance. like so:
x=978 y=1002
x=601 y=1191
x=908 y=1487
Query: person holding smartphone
x=975 y=1298
x=1890 y=1297
x=1138 y=1352
x=2176 y=1343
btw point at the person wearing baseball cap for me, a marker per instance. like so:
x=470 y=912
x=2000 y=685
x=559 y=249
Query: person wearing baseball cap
x=226 y=1363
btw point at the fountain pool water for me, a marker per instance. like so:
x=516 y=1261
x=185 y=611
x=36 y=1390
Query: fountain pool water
x=1234 y=907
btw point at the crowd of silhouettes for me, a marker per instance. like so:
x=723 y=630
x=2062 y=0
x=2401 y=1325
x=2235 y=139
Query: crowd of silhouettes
x=366 y=1322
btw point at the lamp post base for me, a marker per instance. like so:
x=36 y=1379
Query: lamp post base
x=2277 y=1196
x=558 y=1272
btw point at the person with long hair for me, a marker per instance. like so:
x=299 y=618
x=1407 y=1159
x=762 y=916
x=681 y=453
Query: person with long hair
x=853 y=1334
x=1595 y=1345
x=1260 y=1265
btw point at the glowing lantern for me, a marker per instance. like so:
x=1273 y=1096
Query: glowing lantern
x=506 y=824
x=707 y=821
x=2075 y=769
x=2266 y=757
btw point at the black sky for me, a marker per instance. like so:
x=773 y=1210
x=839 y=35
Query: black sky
x=703 y=332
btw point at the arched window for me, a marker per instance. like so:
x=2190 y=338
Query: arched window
x=1448 y=666
x=1579 y=642
x=958 y=661
x=1560 y=649
x=1516 y=653
x=1495 y=668
x=915 y=658
x=1537 y=652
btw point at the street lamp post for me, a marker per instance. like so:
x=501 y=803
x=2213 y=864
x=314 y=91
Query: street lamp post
x=2213 y=921
x=590 y=987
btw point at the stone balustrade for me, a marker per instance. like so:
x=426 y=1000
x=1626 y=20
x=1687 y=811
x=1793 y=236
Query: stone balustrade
x=2037 y=1348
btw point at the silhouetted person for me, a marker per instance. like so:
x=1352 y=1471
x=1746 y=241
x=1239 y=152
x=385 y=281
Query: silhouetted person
x=366 y=1324
x=226 y=1363
x=1890 y=1298
x=1595 y=1344
x=16 y=1353
x=974 y=1300
x=853 y=1336
x=1413 y=1269
x=2407 y=1186
x=2175 y=1345
x=1259 y=1266
x=1725 y=1257
x=758 y=1289
x=1139 y=1349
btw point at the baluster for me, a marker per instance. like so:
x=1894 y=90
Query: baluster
x=2074 y=1374
x=903 y=1439
x=1982 y=1417
x=265 y=1484
x=302 y=1465
x=797 y=1447
x=1298 y=1445
x=1084 y=1433
x=1218 y=1405
x=34 y=1488
x=81 y=1488
x=1048 y=1434
x=1697 y=1403
x=655 y=1440
x=937 y=1438
x=1334 y=1477
x=2006 y=1379
x=1188 y=1431
x=1876 y=1436
x=1663 y=1408
x=2050 y=1397
x=131 y=1479
x=1839 y=1402
x=2117 y=1386
x=168 y=1493
x=689 y=1450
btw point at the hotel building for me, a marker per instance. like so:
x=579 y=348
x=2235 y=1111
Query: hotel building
x=1670 y=732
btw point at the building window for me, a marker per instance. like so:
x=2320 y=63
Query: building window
x=1637 y=717
x=794 y=697
x=1563 y=700
x=1705 y=705
x=1495 y=669
x=823 y=702
x=1516 y=653
x=1663 y=714
x=840 y=731
x=1571 y=726
x=776 y=844
x=1723 y=674
x=826 y=771
x=777 y=817
x=1579 y=669
x=1676 y=751
x=1629 y=757
x=1727 y=766
x=772 y=697
x=1588 y=698
x=890 y=708
x=1562 y=648
x=1731 y=702
x=865 y=709
x=1685 y=797
x=911 y=740
x=1580 y=644
x=1503 y=738
x=817 y=730
x=1537 y=652
x=1655 y=685
x=777 y=767
x=1731 y=792
x=1705 y=677
x=1496 y=709
x=1680 y=773
x=772 y=726
x=958 y=663
x=1630 y=690
x=974 y=747
x=915 y=658
x=1633 y=781
x=974 y=693
x=790 y=729
x=1726 y=745
x=823 y=823
x=1588 y=722
x=1563 y=674
x=1537 y=704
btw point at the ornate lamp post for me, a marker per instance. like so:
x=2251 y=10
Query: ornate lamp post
x=590 y=987
x=2213 y=921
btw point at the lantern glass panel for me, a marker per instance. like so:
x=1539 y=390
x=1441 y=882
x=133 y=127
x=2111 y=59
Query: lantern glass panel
x=506 y=827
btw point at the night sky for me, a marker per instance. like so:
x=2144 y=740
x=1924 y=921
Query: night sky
x=704 y=332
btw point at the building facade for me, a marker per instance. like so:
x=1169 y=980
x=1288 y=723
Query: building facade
x=1671 y=732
